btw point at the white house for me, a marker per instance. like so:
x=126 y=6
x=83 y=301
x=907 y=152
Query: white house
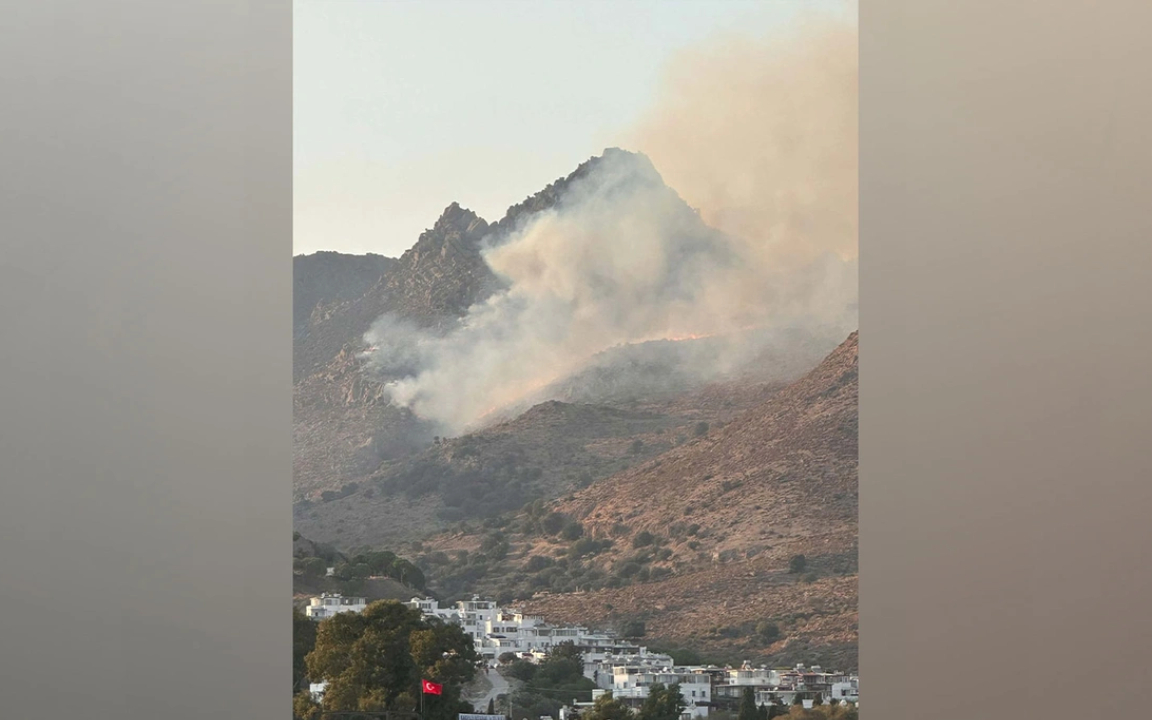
x=847 y=691
x=328 y=605
x=317 y=690
x=634 y=682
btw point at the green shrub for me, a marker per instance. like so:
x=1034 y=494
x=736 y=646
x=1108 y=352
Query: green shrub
x=769 y=632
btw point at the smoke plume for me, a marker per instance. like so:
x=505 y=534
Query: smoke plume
x=760 y=138
x=761 y=135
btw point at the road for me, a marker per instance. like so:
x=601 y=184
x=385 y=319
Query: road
x=500 y=686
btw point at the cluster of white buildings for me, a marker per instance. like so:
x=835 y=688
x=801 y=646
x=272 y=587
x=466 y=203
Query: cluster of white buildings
x=625 y=669
x=706 y=687
x=782 y=686
x=632 y=680
x=497 y=631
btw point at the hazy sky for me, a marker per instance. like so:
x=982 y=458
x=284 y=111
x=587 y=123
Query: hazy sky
x=403 y=107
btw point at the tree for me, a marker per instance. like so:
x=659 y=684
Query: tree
x=506 y=657
x=304 y=707
x=313 y=567
x=643 y=539
x=769 y=632
x=607 y=707
x=553 y=523
x=686 y=656
x=521 y=670
x=763 y=713
x=663 y=703
x=380 y=562
x=633 y=629
x=491 y=706
x=551 y=684
x=376 y=659
x=797 y=564
x=303 y=640
x=748 y=709
x=407 y=573
x=565 y=649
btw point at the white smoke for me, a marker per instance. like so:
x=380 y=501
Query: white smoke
x=762 y=136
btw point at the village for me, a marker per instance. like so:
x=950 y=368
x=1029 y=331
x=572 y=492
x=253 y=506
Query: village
x=614 y=664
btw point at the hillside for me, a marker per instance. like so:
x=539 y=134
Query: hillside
x=343 y=426
x=552 y=449
x=312 y=559
x=324 y=281
x=697 y=542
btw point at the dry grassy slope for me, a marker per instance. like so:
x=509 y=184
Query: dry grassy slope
x=794 y=458
x=779 y=481
x=570 y=445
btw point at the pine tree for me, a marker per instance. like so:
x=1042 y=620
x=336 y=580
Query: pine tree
x=748 y=709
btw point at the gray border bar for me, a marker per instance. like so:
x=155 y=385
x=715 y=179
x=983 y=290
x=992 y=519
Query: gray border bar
x=145 y=359
x=1006 y=401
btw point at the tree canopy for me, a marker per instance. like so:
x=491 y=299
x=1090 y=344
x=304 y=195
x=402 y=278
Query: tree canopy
x=662 y=703
x=557 y=680
x=607 y=707
x=375 y=660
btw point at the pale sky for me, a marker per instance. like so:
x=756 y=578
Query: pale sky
x=403 y=107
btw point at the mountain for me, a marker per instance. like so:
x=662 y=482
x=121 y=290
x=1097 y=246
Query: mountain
x=698 y=542
x=325 y=280
x=650 y=484
x=438 y=278
x=344 y=428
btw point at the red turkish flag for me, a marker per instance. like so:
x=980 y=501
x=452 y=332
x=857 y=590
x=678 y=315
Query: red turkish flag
x=431 y=688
